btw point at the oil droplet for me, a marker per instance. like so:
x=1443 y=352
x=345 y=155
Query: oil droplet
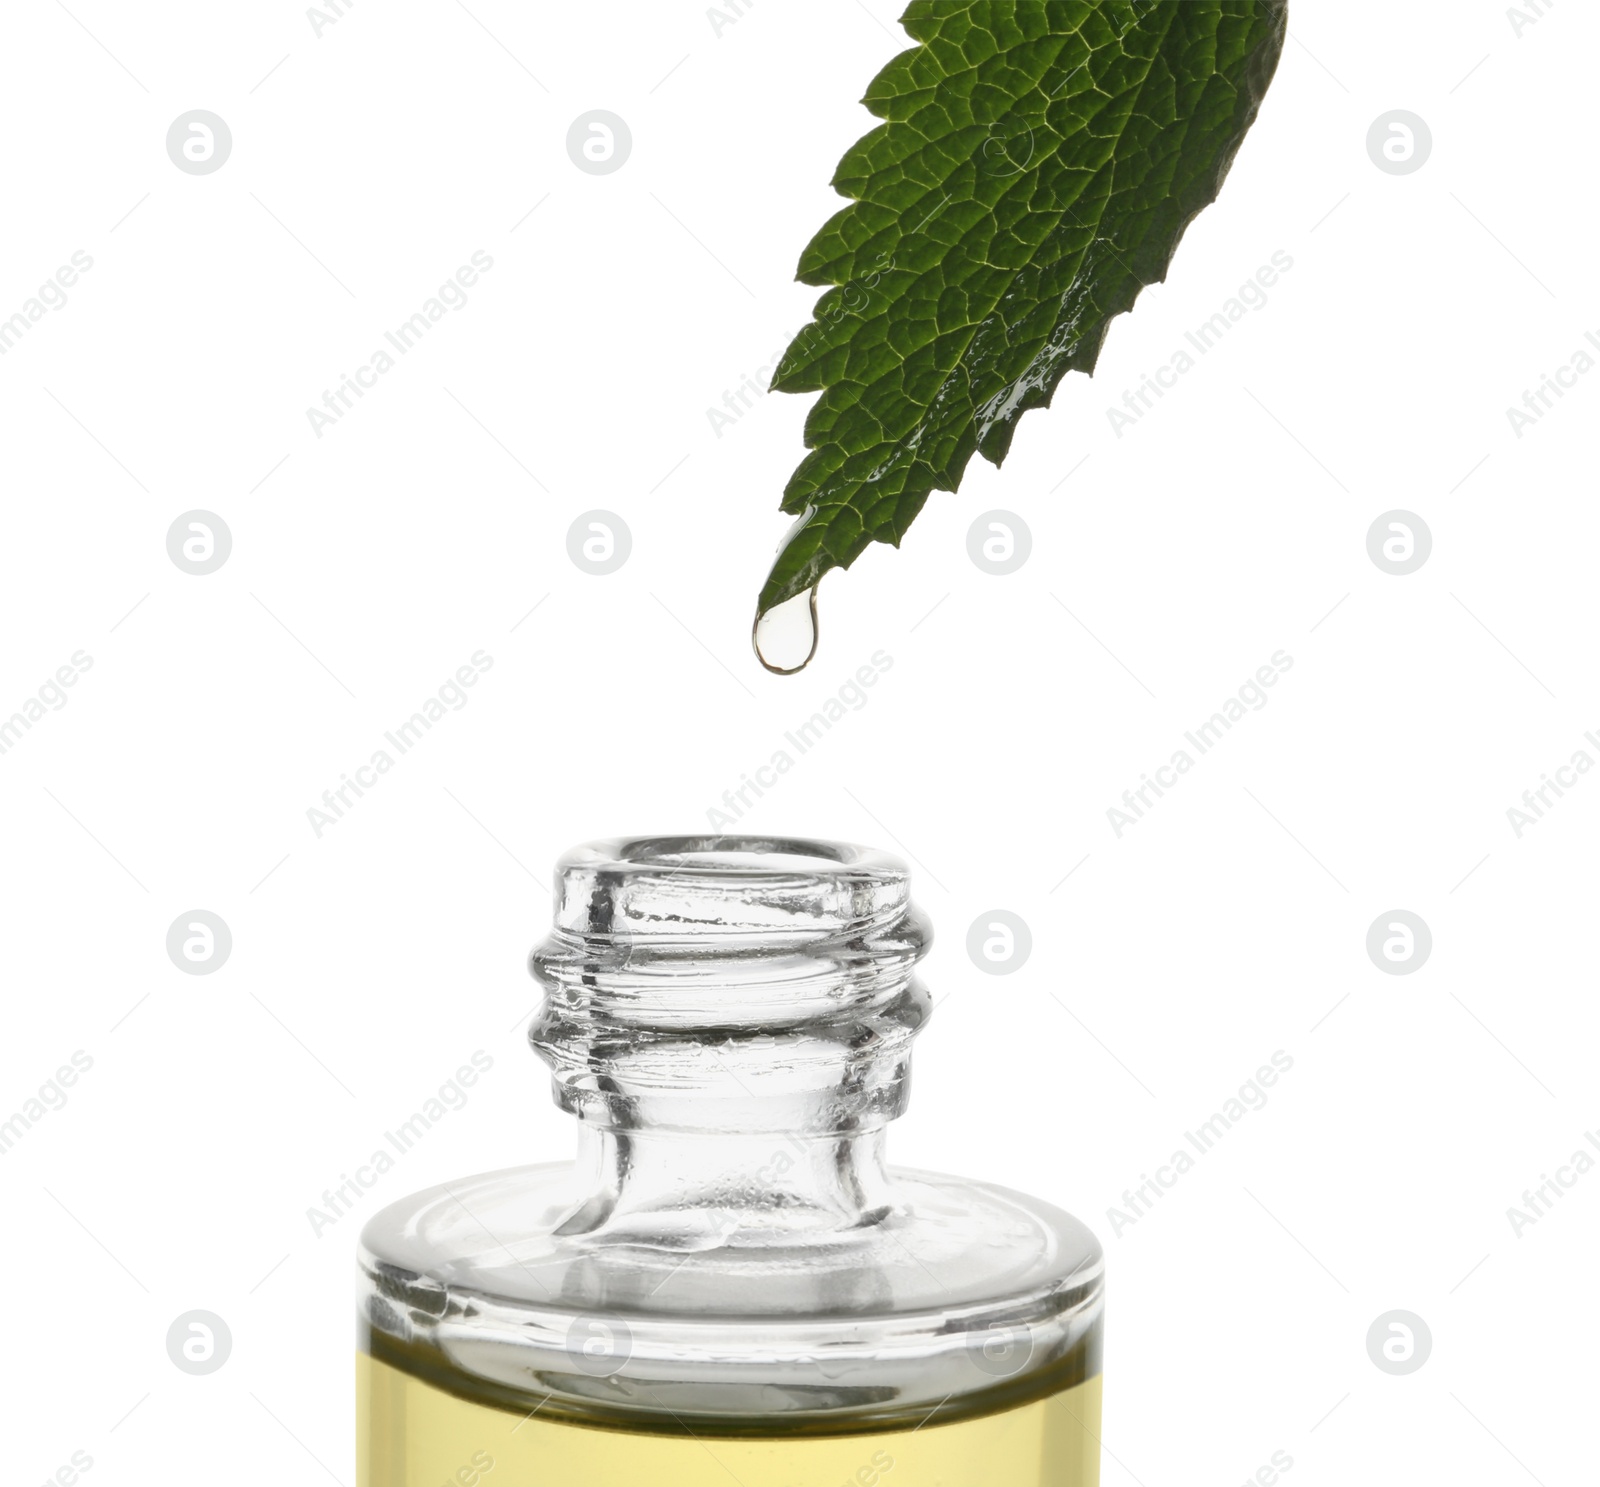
x=785 y=637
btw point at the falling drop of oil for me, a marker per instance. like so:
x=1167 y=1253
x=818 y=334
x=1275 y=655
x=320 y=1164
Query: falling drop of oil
x=785 y=637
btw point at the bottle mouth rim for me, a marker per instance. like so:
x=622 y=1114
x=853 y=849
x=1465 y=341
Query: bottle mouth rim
x=683 y=891
x=733 y=856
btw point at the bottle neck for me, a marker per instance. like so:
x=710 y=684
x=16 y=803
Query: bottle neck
x=719 y=1188
x=730 y=1020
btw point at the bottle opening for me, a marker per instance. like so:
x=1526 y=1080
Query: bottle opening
x=661 y=888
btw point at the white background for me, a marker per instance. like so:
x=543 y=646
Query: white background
x=1168 y=564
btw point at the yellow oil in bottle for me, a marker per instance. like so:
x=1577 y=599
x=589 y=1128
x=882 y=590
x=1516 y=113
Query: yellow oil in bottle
x=415 y=1434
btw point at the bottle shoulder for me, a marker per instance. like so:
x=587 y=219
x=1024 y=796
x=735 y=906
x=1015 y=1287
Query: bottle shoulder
x=936 y=1242
x=945 y=1290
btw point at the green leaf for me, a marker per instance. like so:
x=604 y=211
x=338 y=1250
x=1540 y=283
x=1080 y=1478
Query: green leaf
x=1038 y=163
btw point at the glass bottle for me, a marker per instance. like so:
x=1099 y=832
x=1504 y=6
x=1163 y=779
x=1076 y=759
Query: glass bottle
x=729 y=1285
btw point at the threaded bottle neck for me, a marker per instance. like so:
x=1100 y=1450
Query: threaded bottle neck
x=730 y=985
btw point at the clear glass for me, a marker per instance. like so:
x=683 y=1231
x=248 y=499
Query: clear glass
x=729 y=1266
